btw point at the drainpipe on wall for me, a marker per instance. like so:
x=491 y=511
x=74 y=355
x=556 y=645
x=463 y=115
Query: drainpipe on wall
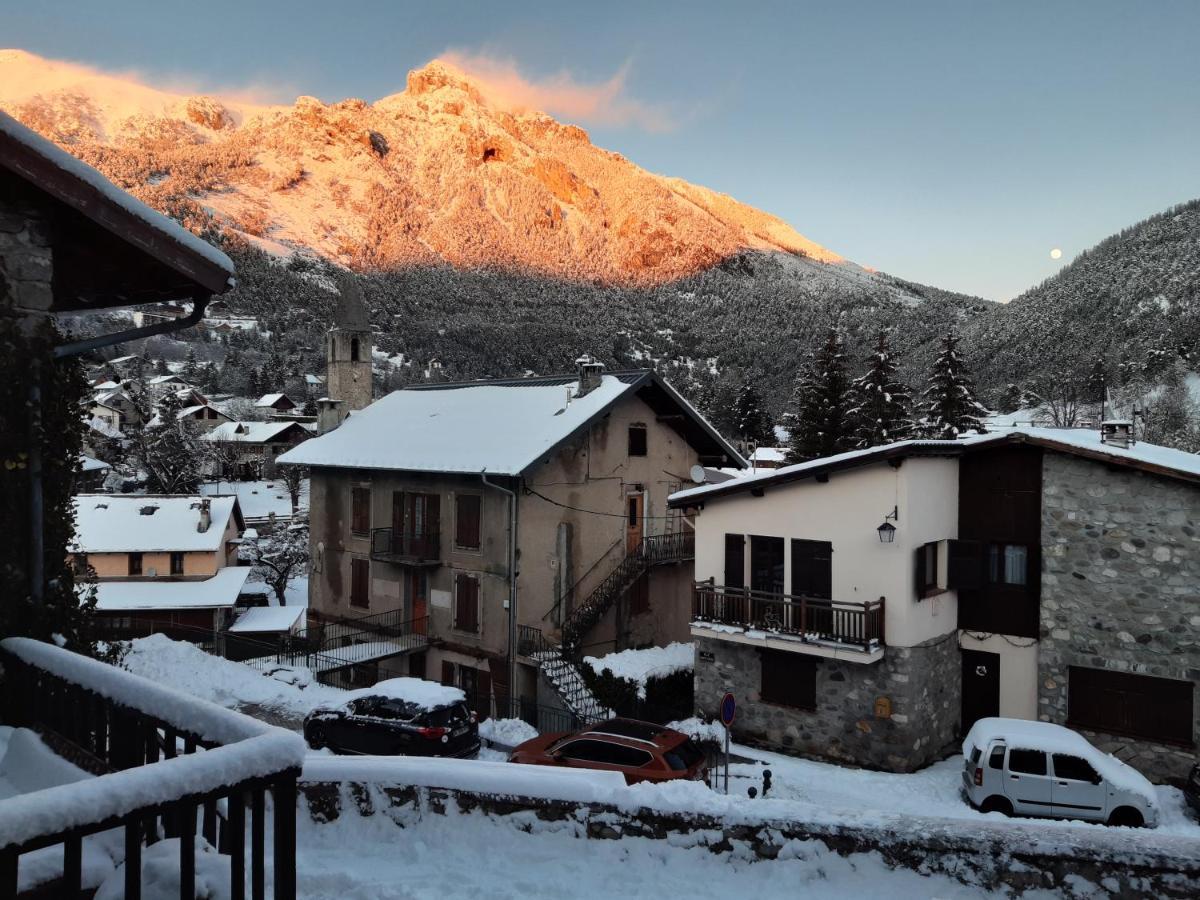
x=512 y=587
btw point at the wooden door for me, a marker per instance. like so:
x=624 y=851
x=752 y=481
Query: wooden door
x=980 y=686
x=397 y=521
x=418 y=589
x=635 y=508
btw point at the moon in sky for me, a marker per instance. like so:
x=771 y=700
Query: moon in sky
x=1056 y=253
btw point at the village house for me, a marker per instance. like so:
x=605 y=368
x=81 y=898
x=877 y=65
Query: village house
x=251 y=448
x=869 y=607
x=161 y=562
x=509 y=516
x=276 y=402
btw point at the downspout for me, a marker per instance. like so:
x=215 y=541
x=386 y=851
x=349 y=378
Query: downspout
x=512 y=587
x=37 y=538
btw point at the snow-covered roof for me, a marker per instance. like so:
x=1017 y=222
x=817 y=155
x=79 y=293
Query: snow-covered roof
x=1077 y=441
x=165 y=379
x=258 y=499
x=502 y=427
x=314 y=379
x=768 y=454
x=268 y=618
x=167 y=227
x=90 y=464
x=248 y=432
x=119 y=523
x=159 y=593
x=270 y=399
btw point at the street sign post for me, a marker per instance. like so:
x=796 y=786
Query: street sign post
x=728 y=711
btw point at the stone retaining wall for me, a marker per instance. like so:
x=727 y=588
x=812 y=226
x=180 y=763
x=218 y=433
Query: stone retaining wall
x=985 y=856
x=921 y=683
x=1120 y=590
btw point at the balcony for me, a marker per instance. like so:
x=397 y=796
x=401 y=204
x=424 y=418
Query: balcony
x=839 y=629
x=405 y=548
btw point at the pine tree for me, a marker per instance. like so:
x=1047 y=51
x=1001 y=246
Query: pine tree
x=750 y=420
x=950 y=405
x=1011 y=399
x=167 y=451
x=253 y=386
x=818 y=418
x=882 y=414
x=190 y=368
x=160 y=367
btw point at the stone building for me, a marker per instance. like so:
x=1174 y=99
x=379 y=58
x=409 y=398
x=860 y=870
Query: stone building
x=506 y=516
x=870 y=607
x=348 y=357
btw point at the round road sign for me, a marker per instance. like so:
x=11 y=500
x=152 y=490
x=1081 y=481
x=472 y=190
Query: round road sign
x=728 y=709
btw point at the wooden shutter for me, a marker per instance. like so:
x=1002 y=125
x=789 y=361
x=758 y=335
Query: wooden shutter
x=1123 y=703
x=920 y=584
x=466 y=602
x=397 y=516
x=812 y=569
x=433 y=515
x=360 y=510
x=964 y=565
x=447 y=672
x=735 y=560
x=466 y=521
x=788 y=679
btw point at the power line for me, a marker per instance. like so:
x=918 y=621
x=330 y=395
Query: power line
x=596 y=512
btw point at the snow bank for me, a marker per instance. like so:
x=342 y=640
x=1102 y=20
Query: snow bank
x=699 y=730
x=187 y=668
x=160 y=873
x=507 y=732
x=29 y=765
x=641 y=665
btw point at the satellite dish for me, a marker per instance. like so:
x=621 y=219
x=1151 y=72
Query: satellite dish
x=697 y=474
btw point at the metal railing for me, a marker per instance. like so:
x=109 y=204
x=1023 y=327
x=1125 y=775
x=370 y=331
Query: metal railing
x=388 y=545
x=665 y=548
x=855 y=623
x=131 y=731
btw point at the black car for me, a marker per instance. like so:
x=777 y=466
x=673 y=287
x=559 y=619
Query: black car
x=387 y=726
x=1191 y=790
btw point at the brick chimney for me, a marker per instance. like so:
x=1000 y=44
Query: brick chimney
x=205 y=515
x=591 y=373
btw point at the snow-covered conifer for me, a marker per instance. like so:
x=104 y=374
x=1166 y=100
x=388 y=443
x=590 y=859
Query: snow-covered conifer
x=950 y=405
x=881 y=414
x=818 y=417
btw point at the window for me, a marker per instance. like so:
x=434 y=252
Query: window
x=927 y=570
x=1008 y=564
x=360 y=510
x=812 y=569
x=1073 y=768
x=766 y=564
x=637 y=440
x=353 y=349
x=79 y=563
x=466 y=602
x=605 y=752
x=634 y=504
x=360 y=573
x=466 y=521
x=788 y=679
x=996 y=760
x=1027 y=762
x=1158 y=709
x=135 y=564
x=176 y=563
x=735 y=560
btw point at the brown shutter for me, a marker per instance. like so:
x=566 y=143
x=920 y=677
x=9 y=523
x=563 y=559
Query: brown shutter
x=466 y=521
x=965 y=565
x=447 y=672
x=397 y=516
x=466 y=602
x=359 y=575
x=919 y=573
x=433 y=514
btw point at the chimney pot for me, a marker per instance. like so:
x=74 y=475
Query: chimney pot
x=205 y=515
x=1117 y=433
x=591 y=373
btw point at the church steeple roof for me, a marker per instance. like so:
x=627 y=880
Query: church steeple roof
x=350 y=313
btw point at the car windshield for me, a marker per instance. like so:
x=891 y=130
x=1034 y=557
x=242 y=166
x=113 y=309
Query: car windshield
x=684 y=756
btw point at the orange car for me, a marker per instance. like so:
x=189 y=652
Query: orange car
x=640 y=751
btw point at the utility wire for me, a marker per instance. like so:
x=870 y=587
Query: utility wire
x=596 y=512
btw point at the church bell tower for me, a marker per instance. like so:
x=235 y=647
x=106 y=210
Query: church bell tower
x=348 y=352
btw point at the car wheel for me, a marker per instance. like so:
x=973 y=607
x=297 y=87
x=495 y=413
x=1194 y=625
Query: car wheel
x=317 y=736
x=1127 y=816
x=996 y=804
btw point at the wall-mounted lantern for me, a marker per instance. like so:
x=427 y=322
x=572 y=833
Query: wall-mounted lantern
x=887 y=531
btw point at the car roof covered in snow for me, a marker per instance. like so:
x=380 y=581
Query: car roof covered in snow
x=416 y=692
x=502 y=426
x=1086 y=443
x=146 y=523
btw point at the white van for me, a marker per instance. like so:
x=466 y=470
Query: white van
x=1027 y=768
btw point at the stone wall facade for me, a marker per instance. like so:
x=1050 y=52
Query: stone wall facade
x=1120 y=590
x=26 y=263
x=922 y=684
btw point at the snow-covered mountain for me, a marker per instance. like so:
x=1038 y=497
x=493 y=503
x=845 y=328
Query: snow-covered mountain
x=438 y=173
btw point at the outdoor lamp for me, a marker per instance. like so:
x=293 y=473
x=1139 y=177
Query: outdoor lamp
x=887 y=531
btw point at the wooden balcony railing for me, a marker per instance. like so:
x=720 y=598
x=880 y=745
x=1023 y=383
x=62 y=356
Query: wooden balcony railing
x=406 y=548
x=813 y=619
x=169 y=766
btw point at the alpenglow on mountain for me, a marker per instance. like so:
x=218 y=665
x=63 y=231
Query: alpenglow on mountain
x=435 y=174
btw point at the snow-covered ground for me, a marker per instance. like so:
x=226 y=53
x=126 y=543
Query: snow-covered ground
x=476 y=855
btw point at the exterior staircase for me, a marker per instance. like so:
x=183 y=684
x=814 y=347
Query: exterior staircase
x=559 y=663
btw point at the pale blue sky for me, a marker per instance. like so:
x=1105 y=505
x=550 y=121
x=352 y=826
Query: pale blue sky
x=953 y=143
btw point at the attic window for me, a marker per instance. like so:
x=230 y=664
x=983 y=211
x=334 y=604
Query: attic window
x=148 y=510
x=637 y=440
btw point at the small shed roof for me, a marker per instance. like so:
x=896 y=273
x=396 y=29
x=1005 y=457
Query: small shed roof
x=268 y=618
x=220 y=590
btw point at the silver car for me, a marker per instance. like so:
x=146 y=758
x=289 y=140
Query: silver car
x=1027 y=768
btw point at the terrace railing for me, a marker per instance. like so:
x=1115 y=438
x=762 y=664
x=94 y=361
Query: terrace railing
x=406 y=548
x=168 y=760
x=813 y=619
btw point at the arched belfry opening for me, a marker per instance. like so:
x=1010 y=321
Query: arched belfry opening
x=353 y=349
